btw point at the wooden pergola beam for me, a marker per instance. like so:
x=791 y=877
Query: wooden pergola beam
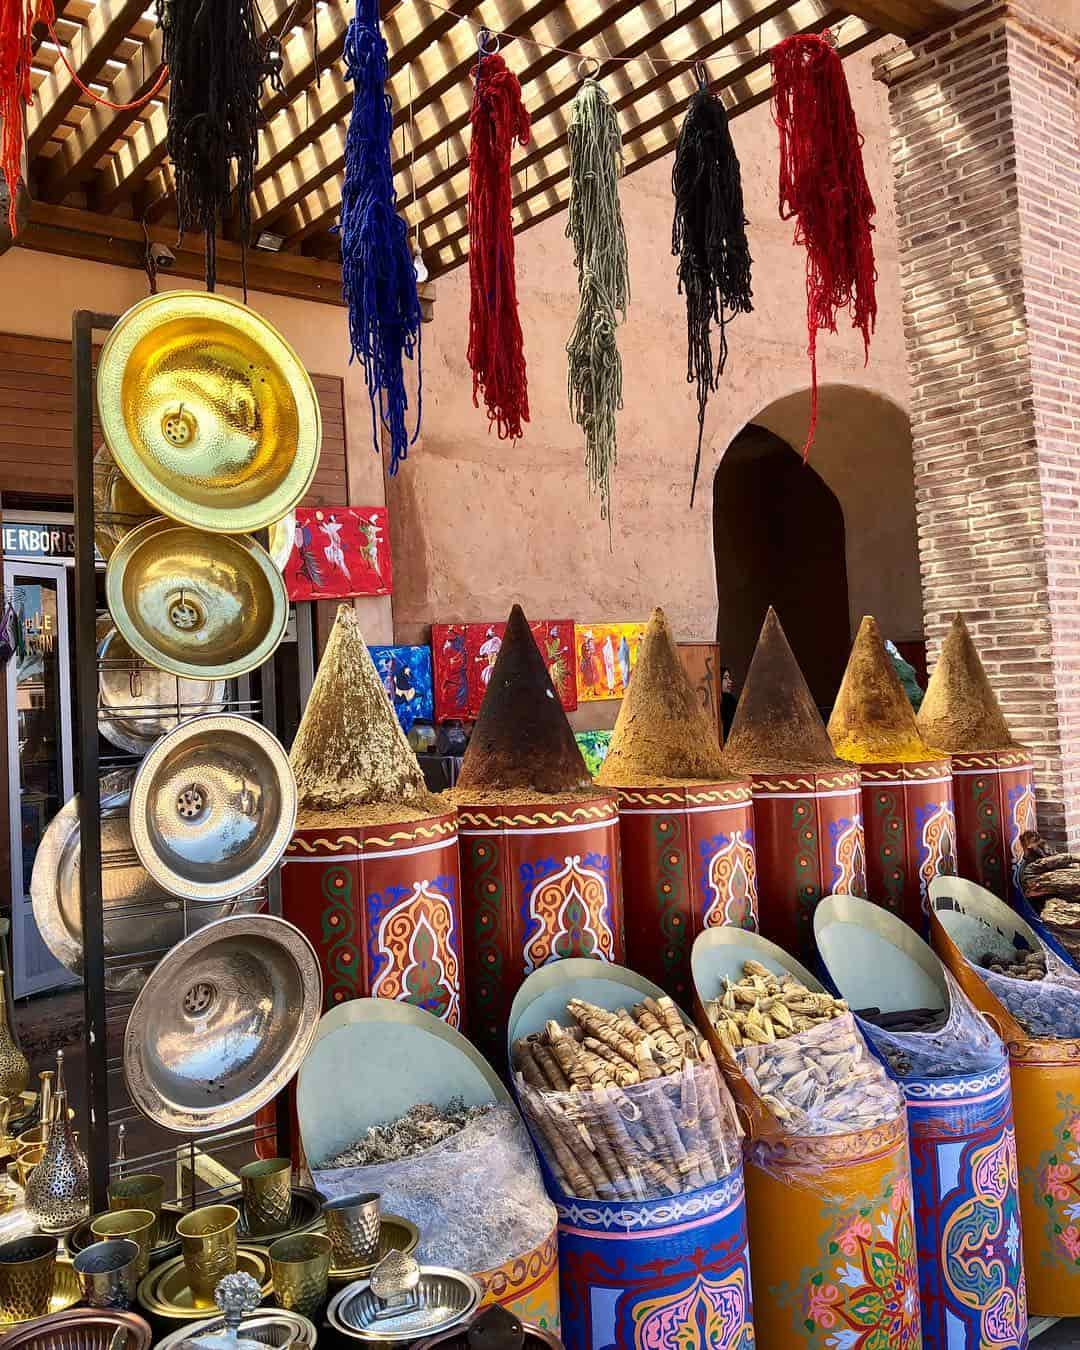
x=105 y=28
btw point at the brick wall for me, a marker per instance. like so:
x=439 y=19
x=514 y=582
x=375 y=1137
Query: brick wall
x=984 y=147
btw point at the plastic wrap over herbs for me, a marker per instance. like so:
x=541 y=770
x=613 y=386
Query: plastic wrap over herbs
x=477 y=1197
x=626 y=1105
x=933 y=1043
x=1032 y=983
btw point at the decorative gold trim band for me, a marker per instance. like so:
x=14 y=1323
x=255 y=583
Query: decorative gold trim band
x=688 y=796
x=906 y=773
x=410 y=833
x=770 y=784
x=992 y=759
x=600 y=813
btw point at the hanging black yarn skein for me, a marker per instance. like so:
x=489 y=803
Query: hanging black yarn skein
x=709 y=239
x=216 y=70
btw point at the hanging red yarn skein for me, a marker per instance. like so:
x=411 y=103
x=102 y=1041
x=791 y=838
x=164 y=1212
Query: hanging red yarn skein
x=823 y=186
x=17 y=20
x=496 y=350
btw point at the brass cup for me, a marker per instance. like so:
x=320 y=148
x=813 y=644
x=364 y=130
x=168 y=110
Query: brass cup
x=137 y=1225
x=141 y=1190
x=267 y=1192
x=25 y=1163
x=27 y=1270
x=208 y=1241
x=352 y=1225
x=107 y=1273
x=301 y=1269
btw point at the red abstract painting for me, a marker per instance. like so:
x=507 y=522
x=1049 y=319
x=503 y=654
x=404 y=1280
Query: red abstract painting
x=482 y=643
x=451 y=672
x=338 y=552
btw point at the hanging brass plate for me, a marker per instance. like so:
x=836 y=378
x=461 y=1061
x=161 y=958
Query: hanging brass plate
x=118 y=507
x=208 y=411
x=195 y=604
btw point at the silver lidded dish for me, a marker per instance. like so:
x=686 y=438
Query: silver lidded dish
x=402 y=1302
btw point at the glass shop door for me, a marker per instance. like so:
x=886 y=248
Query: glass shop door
x=40 y=768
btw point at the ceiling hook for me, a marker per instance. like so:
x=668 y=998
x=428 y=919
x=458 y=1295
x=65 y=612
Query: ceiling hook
x=702 y=75
x=487 y=42
x=585 y=72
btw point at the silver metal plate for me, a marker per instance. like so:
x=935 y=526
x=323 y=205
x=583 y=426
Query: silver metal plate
x=446 y=1297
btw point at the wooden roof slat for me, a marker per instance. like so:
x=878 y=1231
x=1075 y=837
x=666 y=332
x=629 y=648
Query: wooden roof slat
x=105 y=27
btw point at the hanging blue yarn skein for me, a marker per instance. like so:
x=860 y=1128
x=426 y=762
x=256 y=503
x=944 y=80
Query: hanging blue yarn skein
x=377 y=274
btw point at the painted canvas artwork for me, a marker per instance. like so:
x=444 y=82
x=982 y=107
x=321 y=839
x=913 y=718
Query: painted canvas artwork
x=482 y=643
x=451 y=672
x=594 y=746
x=338 y=552
x=606 y=654
x=406 y=676
x=555 y=638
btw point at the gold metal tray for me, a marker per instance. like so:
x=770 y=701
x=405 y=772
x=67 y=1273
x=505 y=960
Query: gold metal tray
x=395 y=1234
x=165 y=1292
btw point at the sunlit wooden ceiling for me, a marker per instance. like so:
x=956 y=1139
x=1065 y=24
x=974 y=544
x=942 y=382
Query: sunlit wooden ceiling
x=100 y=177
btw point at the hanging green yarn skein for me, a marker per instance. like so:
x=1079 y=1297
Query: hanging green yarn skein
x=595 y=227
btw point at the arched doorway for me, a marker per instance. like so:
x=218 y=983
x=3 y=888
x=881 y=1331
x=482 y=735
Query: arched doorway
x=778 y=536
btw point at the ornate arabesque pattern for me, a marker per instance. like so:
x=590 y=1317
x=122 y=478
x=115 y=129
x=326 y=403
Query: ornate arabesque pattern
x=567 y=910
x=415 y=948
x=729 y=880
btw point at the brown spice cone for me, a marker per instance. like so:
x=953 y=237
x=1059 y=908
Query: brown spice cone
x=522 y=738
x=872 y=721
x=662 y=731
x=777 y=726
x=960 y=710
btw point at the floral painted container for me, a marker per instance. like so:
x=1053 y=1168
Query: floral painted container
x=528 y=1286
x=910 y=829
x=1045 y=1077
x=688 y=864
x=540 y=882
x=808 y=842
x=381 y=905
x=994 y=797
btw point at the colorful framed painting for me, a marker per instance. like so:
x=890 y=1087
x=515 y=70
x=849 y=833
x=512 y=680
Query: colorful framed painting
x=605 y=655
x=339 y=552
x=482 y=643
x=451 y=672
x=555 y=638
x=407 y=679
x=594 y=746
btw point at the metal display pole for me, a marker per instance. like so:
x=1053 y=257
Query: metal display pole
x=84 y=322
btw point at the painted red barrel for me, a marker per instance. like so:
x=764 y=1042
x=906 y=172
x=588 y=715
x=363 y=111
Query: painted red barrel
x=910 y=834
x=381 y=905
x=994 y=798
x=688 y=864
x=540 y=881
x=808 y=843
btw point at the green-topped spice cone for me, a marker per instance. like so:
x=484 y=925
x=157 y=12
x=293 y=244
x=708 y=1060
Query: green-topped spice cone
x=993 y=782
x=685 y=820
x=540 y=845
x=872 y=720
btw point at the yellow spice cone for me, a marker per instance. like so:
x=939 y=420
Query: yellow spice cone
x=960 y=711
x=872 y=721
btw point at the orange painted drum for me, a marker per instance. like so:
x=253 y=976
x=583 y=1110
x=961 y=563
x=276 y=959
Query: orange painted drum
x=528 y=1286
x=994 y=796
x=540 y=881
x=808 y=843
x=381 y=904
x=1046 y=1111
x=688 y=864
x=910 y=834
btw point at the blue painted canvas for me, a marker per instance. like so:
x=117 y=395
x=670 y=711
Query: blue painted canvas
x=406 y=676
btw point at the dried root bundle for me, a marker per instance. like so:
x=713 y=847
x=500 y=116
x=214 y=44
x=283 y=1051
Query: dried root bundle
x=802 y=1054
x=626 y=1105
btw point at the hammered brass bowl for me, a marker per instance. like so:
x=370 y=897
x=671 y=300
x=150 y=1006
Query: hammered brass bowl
x=223 y=1023
x=81 y=1329
x=213 y=807
x=200 y=606
x=208 y=411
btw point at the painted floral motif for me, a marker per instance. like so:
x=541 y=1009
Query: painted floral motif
x=729 y=880
x=849 y=856
x=568 y=911
x=341 y=961
x=415 y=951
x=980 y=1247
x=1059 y=1182
x=866 y=1295
x=1021 y=819
x=936 y=824
x=708 y=1313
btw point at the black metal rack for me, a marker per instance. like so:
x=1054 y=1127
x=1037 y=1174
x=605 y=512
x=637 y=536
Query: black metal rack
x=106 y=1011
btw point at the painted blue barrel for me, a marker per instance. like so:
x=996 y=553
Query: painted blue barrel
x=960 y=1126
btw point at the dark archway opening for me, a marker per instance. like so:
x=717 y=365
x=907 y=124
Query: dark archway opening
x=778 y=536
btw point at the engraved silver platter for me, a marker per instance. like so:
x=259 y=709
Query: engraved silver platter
x=444 y=1298
x=142 y=918
x=137 y=702
x=222 y=1023
x=213 y=807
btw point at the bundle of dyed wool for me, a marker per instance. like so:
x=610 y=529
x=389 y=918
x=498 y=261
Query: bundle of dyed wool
x=17 y=20
x=709 y=239
x=216 y=72
x=377 y=274
x=823 y=187
x=595 y=226
x=496 y=351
